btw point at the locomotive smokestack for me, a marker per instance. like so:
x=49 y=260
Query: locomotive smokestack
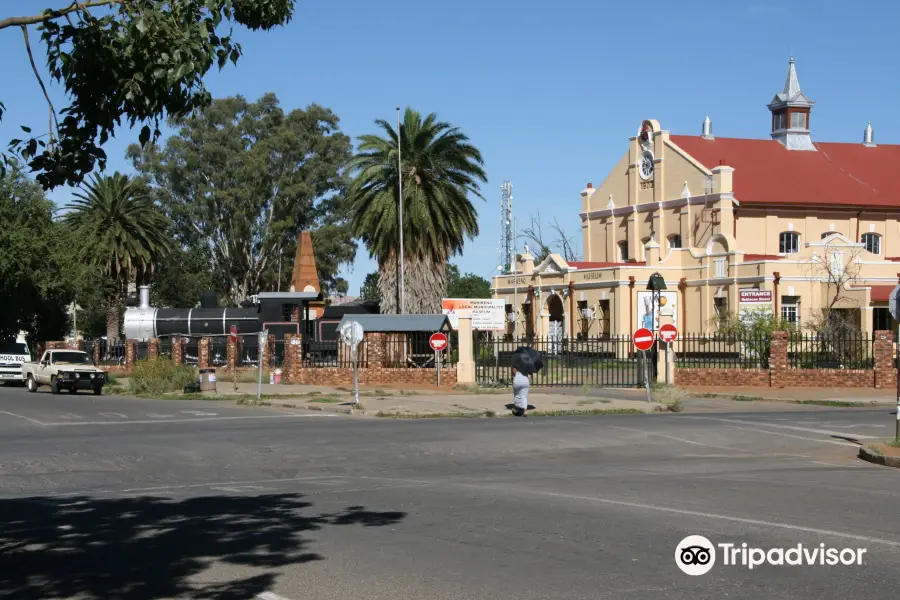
x=144 y=296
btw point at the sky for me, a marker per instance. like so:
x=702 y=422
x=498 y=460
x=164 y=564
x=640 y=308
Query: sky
x=549 y=92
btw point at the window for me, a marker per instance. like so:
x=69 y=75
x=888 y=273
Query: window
x=790 y=309
x=623 y=251
x=798 y=120
x=882 y=320
x=872 y=242
x=674 y=241
x=721 y=307
x=290 y=313
x=721 y=266
x=789 y=242
x=778 y=121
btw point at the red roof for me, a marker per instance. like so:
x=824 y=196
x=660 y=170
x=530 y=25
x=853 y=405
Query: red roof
x=836 y=174
x=749 y=257
x=601 y=265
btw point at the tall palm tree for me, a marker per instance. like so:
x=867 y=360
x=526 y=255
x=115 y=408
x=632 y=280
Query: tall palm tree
x=440 y=169
x=123 y=233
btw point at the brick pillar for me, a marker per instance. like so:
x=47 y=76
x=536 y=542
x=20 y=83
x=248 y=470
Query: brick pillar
x=883 y=349
x=374 y=349
x=153 y=349
x=292 y=371
x=231 y=353
x=203 y=353
x=76 y=344
x=130 y=353
x=96 y=356
x=778 y=358
x=177 y=350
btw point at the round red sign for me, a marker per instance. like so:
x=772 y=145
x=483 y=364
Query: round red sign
x=668 y=333
x=438 y=341
x=643 y=339
x=234 y=333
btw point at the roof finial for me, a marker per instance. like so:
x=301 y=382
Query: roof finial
x=707 y=129
x=869 y=136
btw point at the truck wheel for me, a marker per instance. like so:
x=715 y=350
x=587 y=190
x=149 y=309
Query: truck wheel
x=73 y=390
x=32 y=386
x=54 y=385
x=98 y=390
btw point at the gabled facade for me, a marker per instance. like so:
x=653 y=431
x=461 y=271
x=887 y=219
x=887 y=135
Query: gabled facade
x=815 y=225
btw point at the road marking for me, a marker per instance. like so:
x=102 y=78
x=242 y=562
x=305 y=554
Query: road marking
x=791 y=427
x=242 y=488
x=35 y=421
x=158 y=416
x=70 y=416
x=112 y=415
x=198 y=413
x=195 y=420
x=311 y=479
x=796 y=437
x=270 y=596
x=677 y=439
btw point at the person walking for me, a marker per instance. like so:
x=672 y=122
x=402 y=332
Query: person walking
x=520 y=385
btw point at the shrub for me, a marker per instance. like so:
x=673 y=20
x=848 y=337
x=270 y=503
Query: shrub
x=160 y=376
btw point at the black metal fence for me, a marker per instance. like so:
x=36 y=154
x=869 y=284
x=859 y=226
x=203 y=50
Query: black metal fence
x=333 y=354
x=107 y=354
x=218 y=351
x=409 y=351
x=596 y=362
x=247 y=353
x=844 y=350
x=739 y=351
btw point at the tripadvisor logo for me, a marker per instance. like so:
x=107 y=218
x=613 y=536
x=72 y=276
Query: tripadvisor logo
x=696 y=555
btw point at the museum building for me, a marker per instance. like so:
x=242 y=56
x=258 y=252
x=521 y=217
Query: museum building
x=731 y=224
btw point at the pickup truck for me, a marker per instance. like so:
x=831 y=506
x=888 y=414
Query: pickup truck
x=12 y=354
x=70 y=370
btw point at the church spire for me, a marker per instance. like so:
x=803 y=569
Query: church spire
x=790 y=114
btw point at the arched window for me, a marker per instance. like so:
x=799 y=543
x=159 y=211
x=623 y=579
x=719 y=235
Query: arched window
x=674 y=241
x=872 y=242
x=623 y=251
x=789 y=242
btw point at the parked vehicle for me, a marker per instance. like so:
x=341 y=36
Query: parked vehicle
x=70 y=370
x=12 y=354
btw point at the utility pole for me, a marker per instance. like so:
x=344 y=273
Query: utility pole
x=402 y=307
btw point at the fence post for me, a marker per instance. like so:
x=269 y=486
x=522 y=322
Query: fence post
x=153 y=349
x=465 y=366
x=130 y=353
x=177 y=350
x=293 y=358
x=231 y=355
x=883 y=349
x=778 y=358
x=96 y=353
x=203 y=353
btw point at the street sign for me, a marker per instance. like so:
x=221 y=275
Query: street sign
x=352 y=334
x=233 y=334
x=438 y=341
x=894 y=303
x=643 y=339
x=668 y=333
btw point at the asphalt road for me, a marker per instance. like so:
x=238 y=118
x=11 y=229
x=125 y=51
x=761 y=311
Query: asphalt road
x=111 y=498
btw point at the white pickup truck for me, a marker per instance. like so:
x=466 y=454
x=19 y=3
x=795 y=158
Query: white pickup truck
x=70 y=370
x=12 y=354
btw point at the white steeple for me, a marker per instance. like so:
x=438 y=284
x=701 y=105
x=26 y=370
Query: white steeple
x=707 y=129
x=790 y=114
x=869 y=136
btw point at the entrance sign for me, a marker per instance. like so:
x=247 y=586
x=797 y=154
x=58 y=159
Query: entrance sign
x=643 y=339
x=438 y=341
x=754 y=303
x=668 y=333
x=486 y=313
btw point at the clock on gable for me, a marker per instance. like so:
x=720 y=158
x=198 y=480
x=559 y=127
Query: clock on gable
x=646 y=165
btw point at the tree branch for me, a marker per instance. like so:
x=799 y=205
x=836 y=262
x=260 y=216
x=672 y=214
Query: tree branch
x=54 y=14
x=41 y=82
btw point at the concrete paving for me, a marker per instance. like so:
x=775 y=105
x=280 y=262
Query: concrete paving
x=141 y=499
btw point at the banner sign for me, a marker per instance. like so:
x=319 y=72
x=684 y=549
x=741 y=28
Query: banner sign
x=486 y=313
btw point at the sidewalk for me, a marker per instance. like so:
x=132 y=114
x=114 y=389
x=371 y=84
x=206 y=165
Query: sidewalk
x=858 y=395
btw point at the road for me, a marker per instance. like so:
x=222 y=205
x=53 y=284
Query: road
x=132 y=499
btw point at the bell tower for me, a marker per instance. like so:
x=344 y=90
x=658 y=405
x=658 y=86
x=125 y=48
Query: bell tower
x=790 y=114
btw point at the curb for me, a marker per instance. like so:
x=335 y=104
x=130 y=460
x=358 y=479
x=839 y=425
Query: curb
x=873 y=456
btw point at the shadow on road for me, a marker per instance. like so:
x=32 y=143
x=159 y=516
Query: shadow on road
x=147 y=547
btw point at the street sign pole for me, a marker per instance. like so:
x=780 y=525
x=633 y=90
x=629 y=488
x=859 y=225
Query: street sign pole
x=647 y=375
x=263 y=338
x=437 y=362
x=894 y=308
x=355 y=373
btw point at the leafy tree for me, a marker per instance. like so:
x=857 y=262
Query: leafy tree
x=181 y=278
x=34 y=288
x=440 y=169
x=370 y=288
x=241 y=180
x=138 y=60
x=466 y=286
x=122 y=233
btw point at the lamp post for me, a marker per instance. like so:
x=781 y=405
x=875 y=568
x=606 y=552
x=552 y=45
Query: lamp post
x=655 y=285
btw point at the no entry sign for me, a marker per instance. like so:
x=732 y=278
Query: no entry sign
x=233 y=334
x=668 y=333
x=438 y=341
x=643 y=339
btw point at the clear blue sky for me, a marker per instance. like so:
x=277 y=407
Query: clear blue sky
x=548 y=91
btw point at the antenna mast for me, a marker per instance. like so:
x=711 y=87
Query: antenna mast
x=507 y=244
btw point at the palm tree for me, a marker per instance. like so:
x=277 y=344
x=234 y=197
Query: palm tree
x=122 y=232
x=440 y=169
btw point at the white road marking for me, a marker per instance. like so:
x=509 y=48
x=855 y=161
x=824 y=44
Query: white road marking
x=791 y=427
x=158 y=416
x=677 y=439
x=242 y=488
x=312 y=479
x=113 y=415
x=667 y=509
x=797 y=437
x=70 y=416
x=198 y=413
x=35 y=421
x=195 y=420
x=270 y=596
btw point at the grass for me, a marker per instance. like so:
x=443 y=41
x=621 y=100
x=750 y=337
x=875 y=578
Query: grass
x=160 y=376
x=670 y=396
x=590 y=411
x=477 y=415
x=842 y=403
x=593 y=401
x=894 y=443
x=326 y=399
x=745 y=398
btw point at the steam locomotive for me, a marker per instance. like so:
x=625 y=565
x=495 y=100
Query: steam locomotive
x=279 y=312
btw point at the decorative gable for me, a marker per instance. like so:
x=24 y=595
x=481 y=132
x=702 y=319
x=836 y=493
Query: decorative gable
x=552 y=265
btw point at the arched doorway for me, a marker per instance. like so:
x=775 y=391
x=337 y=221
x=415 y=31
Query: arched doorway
x=556 y=332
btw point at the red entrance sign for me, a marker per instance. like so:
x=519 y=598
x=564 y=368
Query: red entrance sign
x=668 y=333
x=234 y=333
x=643 y=339
x=438 y=341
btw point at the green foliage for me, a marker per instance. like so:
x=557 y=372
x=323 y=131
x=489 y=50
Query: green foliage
x=181 y=278
x=138 y=60
x=160 y=376
x=466 y=286
x=34 y=262
x=369 y=289
x=241 y=180
x=440 y=170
